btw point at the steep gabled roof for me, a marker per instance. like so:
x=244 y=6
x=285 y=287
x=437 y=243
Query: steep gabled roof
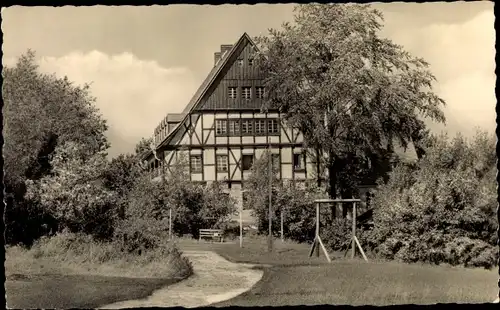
x=212 y=76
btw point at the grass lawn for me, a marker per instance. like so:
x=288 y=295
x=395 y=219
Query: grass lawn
x=76 y=291
x=74 y=282
x=254 y=251
x=294 y=279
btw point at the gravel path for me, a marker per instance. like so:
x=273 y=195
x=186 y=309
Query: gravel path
x=215 y=279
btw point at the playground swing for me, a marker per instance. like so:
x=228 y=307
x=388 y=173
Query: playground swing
x=317 y=243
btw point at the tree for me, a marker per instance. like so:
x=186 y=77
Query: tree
x=74 y=193
x=349 y=91
x=257 y=190
x=296 y=203
x=142 y=146
x=40 y=108
x=41 y=112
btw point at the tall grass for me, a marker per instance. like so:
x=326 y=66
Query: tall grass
x=69 y=253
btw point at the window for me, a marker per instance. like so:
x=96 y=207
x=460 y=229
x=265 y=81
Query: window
x=222 y=165
x=260 y=126
x=246 y=92
x=240 y=62
x=259 y=92
x=247 y=162
x=247 y=126
x=250 y=62
x=232 y=92
x=196 y=165
x=221 y=127
x=298 y=161
x=272 y=126
x=234 y=128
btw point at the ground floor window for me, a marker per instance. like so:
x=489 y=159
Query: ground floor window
x=298 y=161
x=247 y=162
x=196 y=164
x=222 y=163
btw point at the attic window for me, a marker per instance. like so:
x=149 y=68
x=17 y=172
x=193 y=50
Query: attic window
x=259 y=92
x=246 y=92
x=232 y=92
x=240 y=62
x=250 y=62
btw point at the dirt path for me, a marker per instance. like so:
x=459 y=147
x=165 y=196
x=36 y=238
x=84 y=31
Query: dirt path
x=215 y=279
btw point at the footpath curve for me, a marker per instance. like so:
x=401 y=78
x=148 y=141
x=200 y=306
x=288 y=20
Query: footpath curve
x=215 y=279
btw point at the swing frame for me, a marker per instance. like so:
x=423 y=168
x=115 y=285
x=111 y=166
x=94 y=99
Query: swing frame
x=317 y=243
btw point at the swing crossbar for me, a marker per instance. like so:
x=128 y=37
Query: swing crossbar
x=336 y=200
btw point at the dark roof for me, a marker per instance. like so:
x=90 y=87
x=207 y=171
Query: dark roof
x=174 y=117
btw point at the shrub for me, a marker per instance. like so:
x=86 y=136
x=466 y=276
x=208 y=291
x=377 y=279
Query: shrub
x=193 y=206
x=443 y=210
x=337 y=235
x=231 y=230
x=74 y=193
x=299 y=215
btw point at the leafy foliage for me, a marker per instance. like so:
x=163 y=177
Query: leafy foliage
x=40 y=107
x=296 y=203
x=74 y=193
x=442 y=210
x=349 y=91
x=193 y=206
x=40 y=112
x=122 y=173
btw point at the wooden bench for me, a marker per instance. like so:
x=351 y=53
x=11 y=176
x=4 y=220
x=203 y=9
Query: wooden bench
x=212 y=234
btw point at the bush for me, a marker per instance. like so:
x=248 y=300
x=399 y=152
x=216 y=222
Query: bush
x=337 y=235
x=193 y=206
x=443 y=210
x=299 y=215
x=74 y=194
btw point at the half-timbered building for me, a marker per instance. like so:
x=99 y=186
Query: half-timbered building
x=222 y=130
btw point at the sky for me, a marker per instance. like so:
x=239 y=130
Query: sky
x=146 y=62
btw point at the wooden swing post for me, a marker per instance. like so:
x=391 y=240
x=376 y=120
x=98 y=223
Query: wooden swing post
x=354 y=240
x=317 y=243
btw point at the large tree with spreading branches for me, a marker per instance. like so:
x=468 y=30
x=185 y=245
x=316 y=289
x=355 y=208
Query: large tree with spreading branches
x=351 y=92
x=41 y=113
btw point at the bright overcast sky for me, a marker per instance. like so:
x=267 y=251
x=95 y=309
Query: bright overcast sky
x=145 y=62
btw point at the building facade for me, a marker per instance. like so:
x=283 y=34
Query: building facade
x=222 y=130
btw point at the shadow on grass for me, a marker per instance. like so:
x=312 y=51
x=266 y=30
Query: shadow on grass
x=76 y=291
